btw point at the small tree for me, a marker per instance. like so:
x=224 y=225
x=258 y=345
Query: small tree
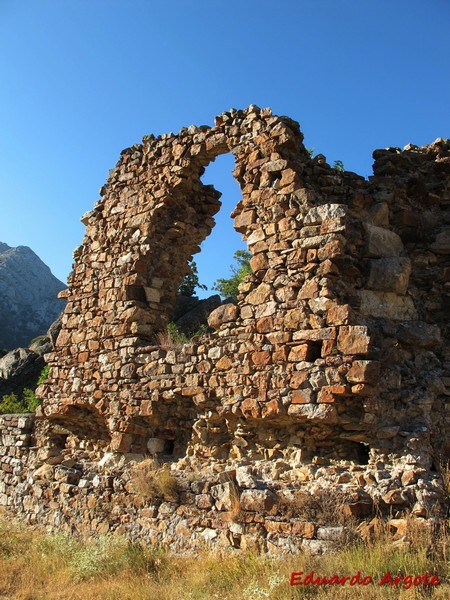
x=190 y=282
x=228 y=288
x=10 y=404
x=339 y=166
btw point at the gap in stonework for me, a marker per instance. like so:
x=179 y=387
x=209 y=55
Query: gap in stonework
x=216 y=252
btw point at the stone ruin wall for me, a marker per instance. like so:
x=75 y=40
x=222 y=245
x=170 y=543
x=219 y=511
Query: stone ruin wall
x=331 y=372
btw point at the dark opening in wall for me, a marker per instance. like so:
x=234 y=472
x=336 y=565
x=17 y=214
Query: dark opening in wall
x=81 y=426
x=57 y=438
x=346 y=450
x=135 y=292
x=363 y=451
x=169 y=446
x=161 y=434
x=314 y=351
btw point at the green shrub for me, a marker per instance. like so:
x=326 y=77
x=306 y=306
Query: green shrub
x=26 y=402
x=228 y=288
x=104 y=555
x=176 y=335
x=173 y=338
x=29 y=400
x=44 y=374
x=10 y=404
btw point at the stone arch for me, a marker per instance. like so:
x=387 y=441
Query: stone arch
x=155 y=212
x=179 y=208
x=73 y=426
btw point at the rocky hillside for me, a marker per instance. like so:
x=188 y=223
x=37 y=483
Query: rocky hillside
x=28 y=302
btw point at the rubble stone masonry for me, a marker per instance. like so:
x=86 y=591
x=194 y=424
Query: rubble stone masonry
x=331 y=373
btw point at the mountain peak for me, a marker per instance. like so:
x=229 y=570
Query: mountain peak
x=28 y=296
x=4 y=247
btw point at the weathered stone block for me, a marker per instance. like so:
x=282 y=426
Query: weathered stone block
x=442 y=243
x=328 y=393
x=260 y=294
x=302 y=396
x=325 y=212
x=251 y=408
x=226 y=313
x=389 y=274
x=224 y=363
x=275 y=165
x=353 y=339
x=333 y=534
x=302 y=352
x=339 y=314
x=364 y=371
x=261 y=358
x=297 y=378
x=316 y=412
x=259 y=500
x=304 y=529
x=245 y=478
x=382 y=242
x=224 y=495
x=362 y=389
x=387 y=305
x=294 y=318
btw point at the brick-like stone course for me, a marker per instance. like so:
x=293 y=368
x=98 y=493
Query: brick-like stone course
x=332 y=371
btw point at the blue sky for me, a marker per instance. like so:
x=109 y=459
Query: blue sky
x=82 y=79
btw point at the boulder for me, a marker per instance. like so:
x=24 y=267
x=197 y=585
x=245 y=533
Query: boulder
x=41 y=345
x=418 y=333
x=191 y=321
x=54 y=330
x=389 y=274
x=183 y=305
x=19 y=369
x=226 y=313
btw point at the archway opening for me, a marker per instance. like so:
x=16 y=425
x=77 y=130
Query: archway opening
x=214 y=256
x=217 y=250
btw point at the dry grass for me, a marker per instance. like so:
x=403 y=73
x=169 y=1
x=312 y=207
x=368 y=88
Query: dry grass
x=151 y=481
x=37 y=566
x=323 y=507
x=171 y=338
x=166 y=341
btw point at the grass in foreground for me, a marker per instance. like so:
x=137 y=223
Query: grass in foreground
x=35 y=565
